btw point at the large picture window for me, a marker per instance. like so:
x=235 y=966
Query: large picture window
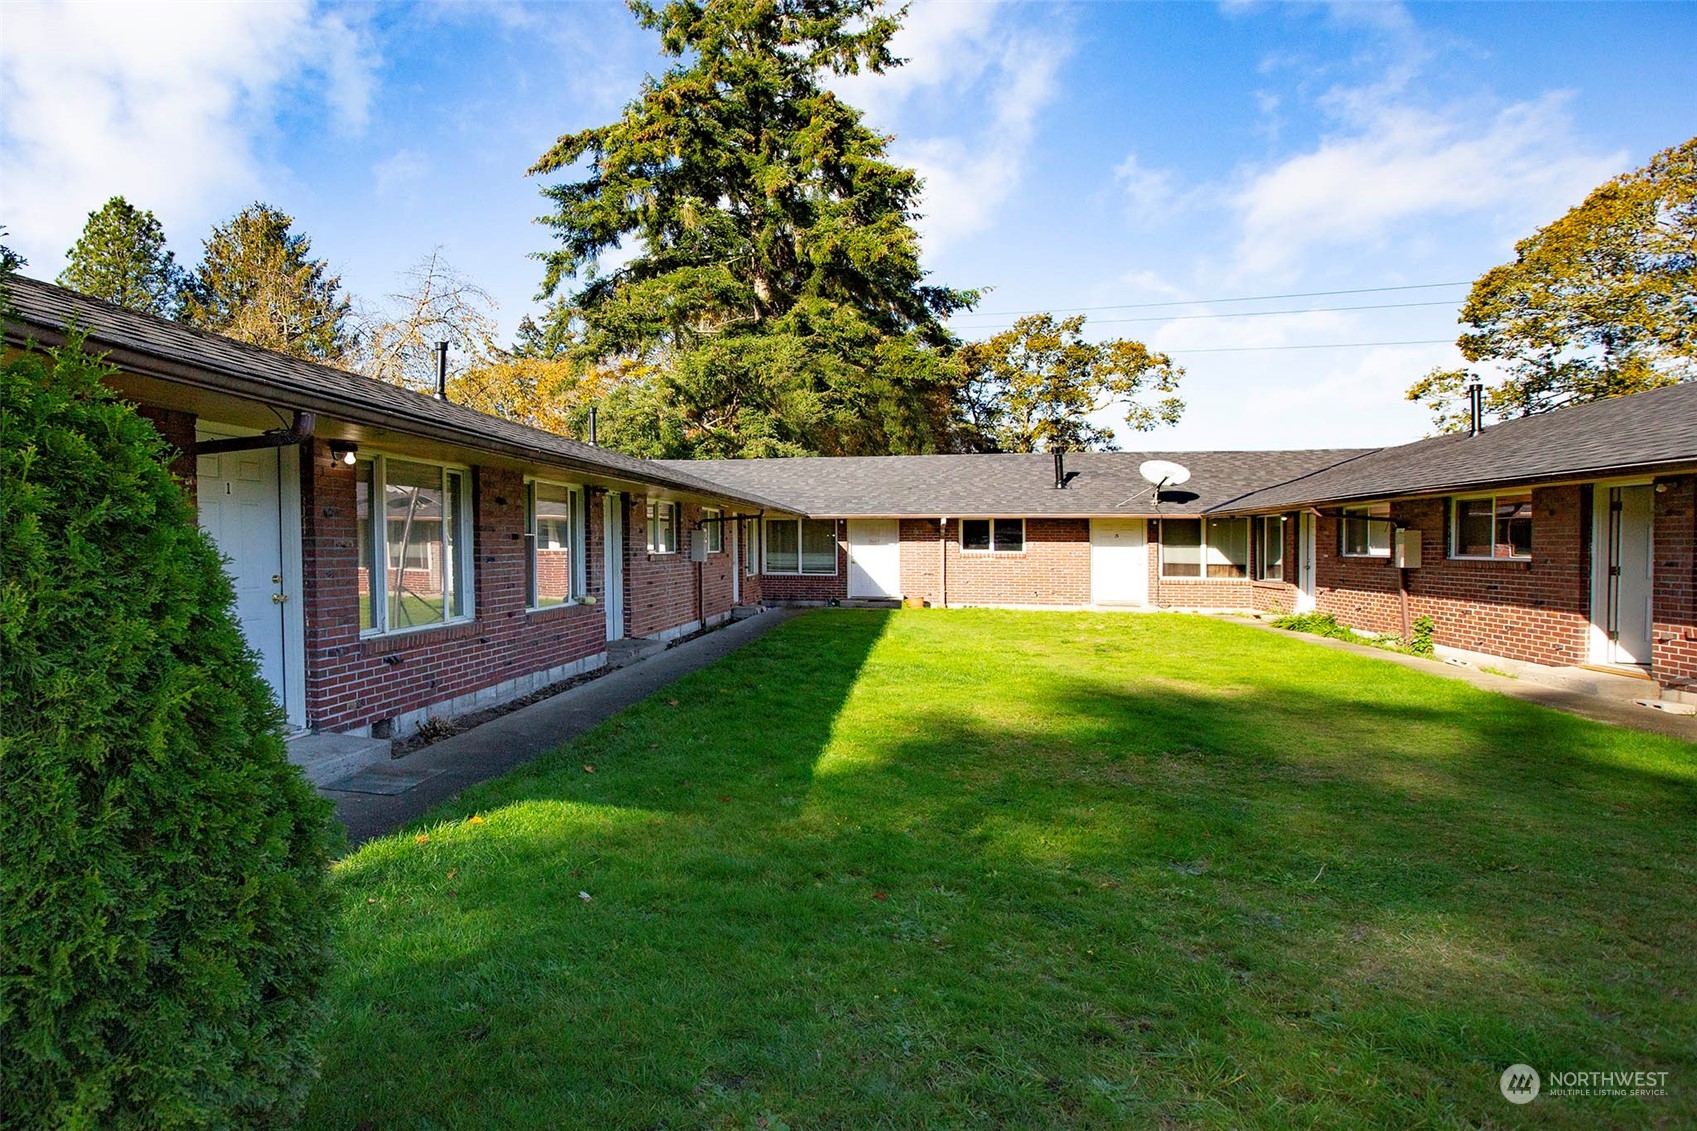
x=554 y=541
x=804 y=545
x=1217 y=548
x=1270 y=548
x=1492 y=526
x=414 y=569
x=995 y=535
x=662 y=527
x=1365 y=532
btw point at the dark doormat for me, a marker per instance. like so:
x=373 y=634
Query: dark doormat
x=385 y=780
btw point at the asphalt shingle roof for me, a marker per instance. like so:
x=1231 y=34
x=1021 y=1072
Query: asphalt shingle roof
x=43 y=310
x=1642 y=432
x=956 y=486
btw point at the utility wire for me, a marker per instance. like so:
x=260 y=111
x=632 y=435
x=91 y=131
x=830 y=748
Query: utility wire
x=1265 y=313
x=1181 y=353
x=1210 y=301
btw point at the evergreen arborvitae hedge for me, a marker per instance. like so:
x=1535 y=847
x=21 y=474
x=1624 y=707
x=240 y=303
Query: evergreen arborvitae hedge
x=164 y=925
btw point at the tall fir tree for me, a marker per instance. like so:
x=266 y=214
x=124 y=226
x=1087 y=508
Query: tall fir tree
x=121 y=258
x=776 y=301
x=257 y=282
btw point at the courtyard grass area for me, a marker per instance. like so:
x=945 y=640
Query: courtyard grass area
x=946 y=868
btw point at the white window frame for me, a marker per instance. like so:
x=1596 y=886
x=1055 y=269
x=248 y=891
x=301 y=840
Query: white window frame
x=800 y=554
x=576 y=537
x=1455 y=527
x=377 y=534
x=1380 y=515
x=713 y=529
x=992 y=548
x=754 y=541
x=1262 y=541
x=651 y=525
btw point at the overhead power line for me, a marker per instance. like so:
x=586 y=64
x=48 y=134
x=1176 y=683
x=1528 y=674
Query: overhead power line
x=1211 y=301
x=1181 y=353
x=1266 y=313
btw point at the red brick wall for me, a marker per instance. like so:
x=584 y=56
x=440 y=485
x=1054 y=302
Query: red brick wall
x=1053 y=569
x=1675 y=598
x=812 y=587
x=661 y=588
x=177 y=429
x=353 y=682
x=1535 y=610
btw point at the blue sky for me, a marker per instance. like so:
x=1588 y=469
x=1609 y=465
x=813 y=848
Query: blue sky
x=1100 y=156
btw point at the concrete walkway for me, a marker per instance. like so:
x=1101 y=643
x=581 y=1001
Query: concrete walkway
x=407 y=787
x=1601 y=708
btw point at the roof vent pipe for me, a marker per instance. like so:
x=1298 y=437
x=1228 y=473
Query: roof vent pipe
x=1475 y=407
x=592 y=415
x=441 y=371
x=1062 y=476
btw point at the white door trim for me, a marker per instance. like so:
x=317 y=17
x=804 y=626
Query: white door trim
x=1604 y=648
x=1305 y=588
x=1136 y=571
x=877 y=575
x=292 y=660
x=613 y=563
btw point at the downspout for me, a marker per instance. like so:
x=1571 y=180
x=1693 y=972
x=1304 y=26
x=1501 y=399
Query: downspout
x=943 y=562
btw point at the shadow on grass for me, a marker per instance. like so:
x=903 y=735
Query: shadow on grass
x=957 y=888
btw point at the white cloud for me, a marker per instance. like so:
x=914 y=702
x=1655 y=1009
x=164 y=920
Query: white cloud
x=1149 y=193
x=160 y=102
x=1397 y=163
x=963 y=53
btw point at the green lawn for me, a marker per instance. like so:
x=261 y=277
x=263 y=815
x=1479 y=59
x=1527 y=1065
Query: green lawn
x=1024 y=869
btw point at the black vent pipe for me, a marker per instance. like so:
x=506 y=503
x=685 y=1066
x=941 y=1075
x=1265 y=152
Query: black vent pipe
x=441 y=371
x=592 y=416
x=1475 y=408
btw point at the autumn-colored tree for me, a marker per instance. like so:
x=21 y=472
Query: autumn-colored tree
x=257 y=282
x=1600 y=303
x=1038 y=386
x=775 y=301
x=121 y=258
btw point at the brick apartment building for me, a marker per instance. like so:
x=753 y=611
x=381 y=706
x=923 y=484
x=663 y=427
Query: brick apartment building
x=396 y=556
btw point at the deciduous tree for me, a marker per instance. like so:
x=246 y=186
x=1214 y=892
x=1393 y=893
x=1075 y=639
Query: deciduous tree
x=257 y=282
x=1037 y=386
x=775 y=298
x=1600 y=303
x=438 y=303
x=121 y=258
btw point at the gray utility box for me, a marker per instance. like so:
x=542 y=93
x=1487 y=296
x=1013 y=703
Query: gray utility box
x=1405 y=549
x=698 y=545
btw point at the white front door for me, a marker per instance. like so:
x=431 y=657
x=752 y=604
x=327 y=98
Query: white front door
x=613 y=544
x=874 y=557
x=1119 y=561
x=240 y=505
x=1622 y=575
x=1305 y=562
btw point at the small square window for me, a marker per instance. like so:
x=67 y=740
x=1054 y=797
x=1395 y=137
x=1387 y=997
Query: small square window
x=975 y=534
x=1365 y=532
x=713 y=529
x=1009 y=535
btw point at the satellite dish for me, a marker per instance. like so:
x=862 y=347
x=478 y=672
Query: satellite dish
x=1163 y=473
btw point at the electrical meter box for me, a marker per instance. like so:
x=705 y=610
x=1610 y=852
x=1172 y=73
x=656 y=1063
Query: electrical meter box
x=1405 y=549
x=697 y=545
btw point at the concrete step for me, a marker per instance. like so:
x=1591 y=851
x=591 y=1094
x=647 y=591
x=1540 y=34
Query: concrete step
x=743 y=612
x=871 y=603
x=622 y=653
x=325 y=758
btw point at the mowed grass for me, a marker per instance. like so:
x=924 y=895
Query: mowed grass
x=988 y=868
